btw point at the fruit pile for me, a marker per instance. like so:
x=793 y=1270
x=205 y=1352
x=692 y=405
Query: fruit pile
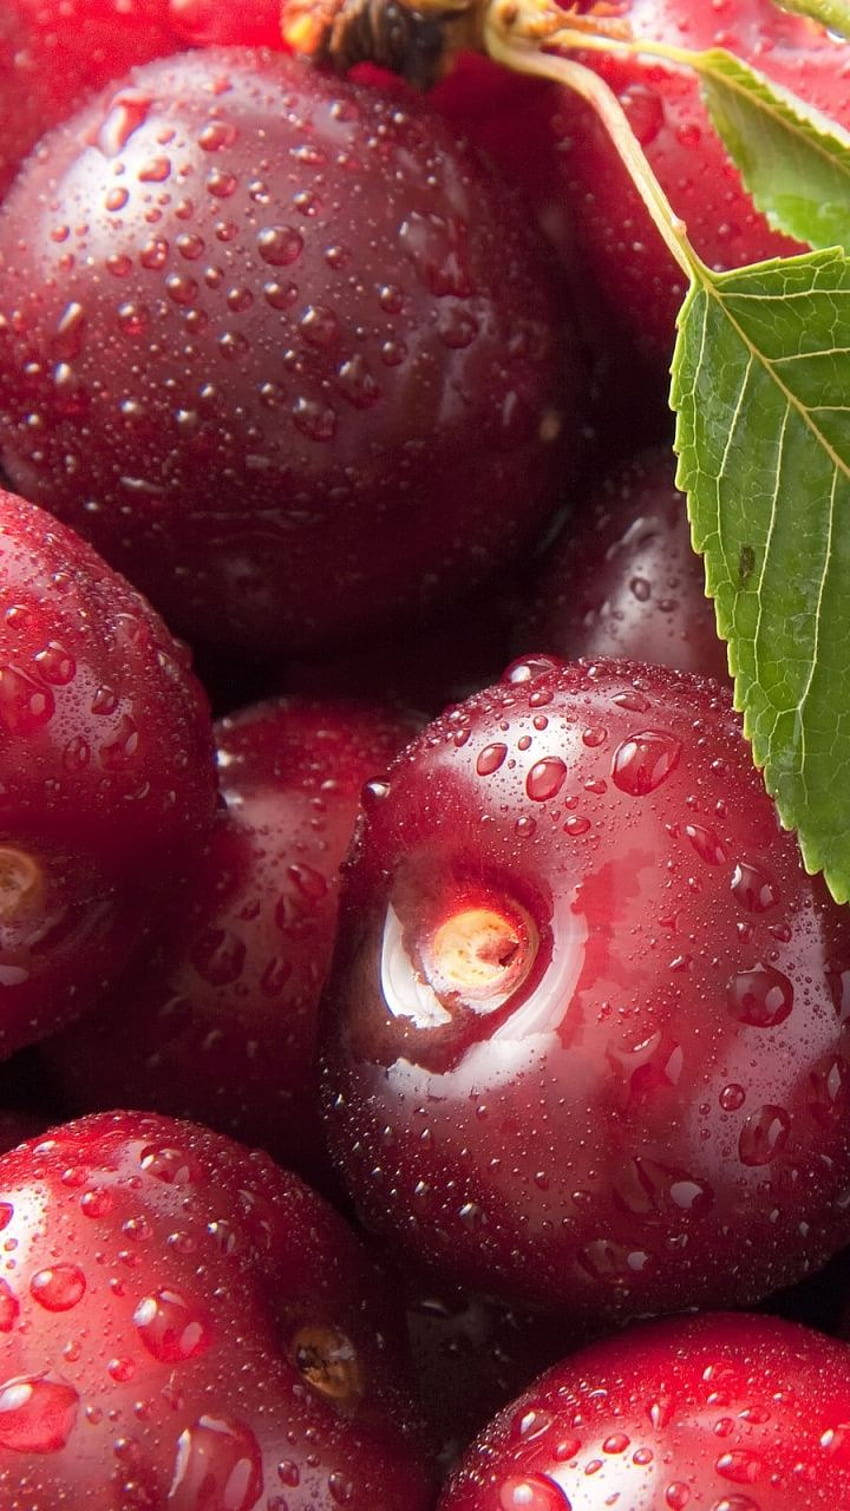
x=425 y=1040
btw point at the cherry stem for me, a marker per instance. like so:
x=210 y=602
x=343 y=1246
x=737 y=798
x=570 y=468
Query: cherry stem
x=525 y=57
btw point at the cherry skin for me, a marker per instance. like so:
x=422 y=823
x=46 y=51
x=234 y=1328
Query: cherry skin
x=621 y=247
x=290 y=390
x=107 y=783
x=220 y=1025
x=623 y=580
x=586 y=1042
x=719 y=1413
x=55 y=52
x=203 y=23
x=187 y=1325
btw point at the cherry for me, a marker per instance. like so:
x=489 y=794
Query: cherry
x=622 y=249
x=586 y=1042
x=187 y=1326
x=107 y=784
x=259 y=374
x=719 y=1412
x=622 y=579
x=55 y=52
x=221 y=1023
x=251 y=23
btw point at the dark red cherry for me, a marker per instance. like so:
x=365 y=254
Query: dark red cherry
x=711 y=1413
x=220 y=1022
x=622 y=250
x=623 y=580
x=107 y=784
x=291 y=388
x=55 y=52
x=586 y=1025
x=186 y=1327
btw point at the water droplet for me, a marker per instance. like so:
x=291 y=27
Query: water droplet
x=437 y=247
x=762 y=996
x=706 y=844
x=356 y=383
x=576 y=826
x=732 y=1097
x=171 y=1328
x=218 y=1467
x=127 y=112
x=753 y=888
x=155 y=171
x=169 y=1165
x=37 y=1413
x=645 y=110
x=58 y=1289
x=545 y=779
x=221 y=184
x=56 y=665
x=641 y=763
x=740 y=1466
x=763 y=1135
x=490 y=759
x=677 y=1495
x=532 y=1492
x=314 y=420
x=280 y=246
x=216 y=135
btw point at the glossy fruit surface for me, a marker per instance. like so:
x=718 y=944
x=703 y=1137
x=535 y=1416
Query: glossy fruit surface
x=251 y=23
x=55 y=52
x=334 y=360
x=107 y=782
x=711 y=1413
x=186 y=1326
x=586 y=1039
x=220 y=1024
x=622 y=249
x=623 y=580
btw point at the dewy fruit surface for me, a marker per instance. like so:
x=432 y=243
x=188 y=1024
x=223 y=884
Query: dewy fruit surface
x=586 y=1039
x=107 y=782
x=184 y=1325
x=622 y=579
x=55 y=52
x=264 y=330
x=712 y=1413
x=662 y=100
x=221 y=1024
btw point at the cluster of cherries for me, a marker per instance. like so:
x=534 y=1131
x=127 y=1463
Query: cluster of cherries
x=517 y=968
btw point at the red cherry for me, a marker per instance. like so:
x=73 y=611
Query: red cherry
x=251 y=23
x=107 y=786
x=220 y=1025
x=712 y=1413
x=622 y=250
x=586 y=1039
x=317 y=387
x=55 y=52
x=623 y=580
x=185 y=1325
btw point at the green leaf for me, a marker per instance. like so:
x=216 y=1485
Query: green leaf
x=794 y=161
x=833 y=14
x=761 y=386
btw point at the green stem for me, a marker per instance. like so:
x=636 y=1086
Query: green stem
x=527 y=58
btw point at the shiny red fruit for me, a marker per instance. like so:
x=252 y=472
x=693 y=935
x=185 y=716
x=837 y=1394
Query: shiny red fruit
x=586 y=1040
x=203 y=23
x=623 y=580
x=184 y=1325
x=712 y=1413
x=55 y=52
x=291 y=388
x=220 y=1023
x=622 y=249
x=107 y=784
